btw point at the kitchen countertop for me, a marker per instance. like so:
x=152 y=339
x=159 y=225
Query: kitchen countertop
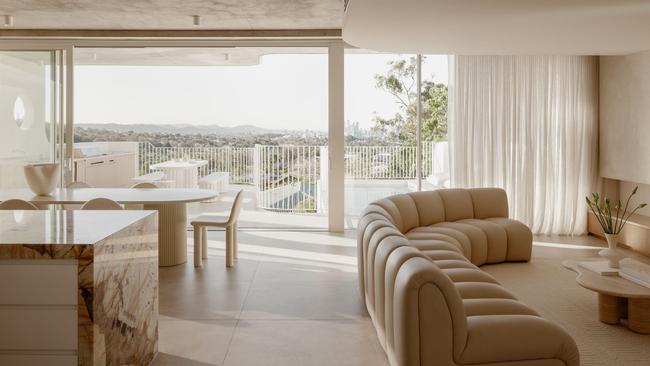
x=64 y=226
x=111 y=261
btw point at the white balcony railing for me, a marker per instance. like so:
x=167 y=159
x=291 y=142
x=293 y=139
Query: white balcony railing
x=288 y=178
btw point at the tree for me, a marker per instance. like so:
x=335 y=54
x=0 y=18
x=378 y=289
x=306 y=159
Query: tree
x=400 y=81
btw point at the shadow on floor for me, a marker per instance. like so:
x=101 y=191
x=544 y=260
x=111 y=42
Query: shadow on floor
x=165 y=359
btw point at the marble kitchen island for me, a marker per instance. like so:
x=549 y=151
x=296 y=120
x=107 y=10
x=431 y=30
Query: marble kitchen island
x=78 y=287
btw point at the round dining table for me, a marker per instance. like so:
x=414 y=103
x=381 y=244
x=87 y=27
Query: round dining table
x=184 y=173
x=171 y=205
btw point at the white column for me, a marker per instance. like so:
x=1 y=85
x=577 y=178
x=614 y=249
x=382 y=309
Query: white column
x=323 y=200
x=336 y=137
x=418 y=127
x=67 y=158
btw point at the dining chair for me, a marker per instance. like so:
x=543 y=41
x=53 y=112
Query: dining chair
x=141 y=185
x=16 y=204
x=144 y=185
x=78 y=184
x=201 y=223
x=101 y=204
x=73 y=185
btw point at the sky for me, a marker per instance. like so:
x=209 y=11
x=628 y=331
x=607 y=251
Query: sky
x=283 y=92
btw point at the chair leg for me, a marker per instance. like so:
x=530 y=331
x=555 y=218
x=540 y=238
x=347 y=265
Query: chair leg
x=235 y=246
x=204 y=242
x=197 y=246
x=229 y=258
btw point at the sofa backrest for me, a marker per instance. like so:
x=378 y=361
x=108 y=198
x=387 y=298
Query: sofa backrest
x=489 y=202
x=411 y=210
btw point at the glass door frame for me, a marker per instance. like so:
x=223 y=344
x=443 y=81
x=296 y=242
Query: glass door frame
x=335 y=46
x=62 y=97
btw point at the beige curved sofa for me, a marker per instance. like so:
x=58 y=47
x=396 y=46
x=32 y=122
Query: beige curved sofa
x=430 y=303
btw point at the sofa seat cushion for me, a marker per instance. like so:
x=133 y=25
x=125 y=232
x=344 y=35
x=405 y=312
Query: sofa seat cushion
x=433 y=244
x=442 y=255
x=519 y=238
x=482 y=290
x=496 y=239
x=458 y=275
x=456 y=237
x=474 y=307
x=504 y=338
x=478 y=241
x=453 y=263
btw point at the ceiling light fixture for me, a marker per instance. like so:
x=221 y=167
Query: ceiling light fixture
x=9 y=20
x=196 y=19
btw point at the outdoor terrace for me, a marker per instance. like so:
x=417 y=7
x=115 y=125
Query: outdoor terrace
x=289 y=179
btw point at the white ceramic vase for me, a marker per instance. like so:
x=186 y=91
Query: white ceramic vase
x=42 y=178
x=612 y=255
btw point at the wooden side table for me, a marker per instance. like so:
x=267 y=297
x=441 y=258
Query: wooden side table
x=618 y=298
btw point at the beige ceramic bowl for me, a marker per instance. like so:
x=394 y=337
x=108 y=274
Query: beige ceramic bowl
x=42 y=178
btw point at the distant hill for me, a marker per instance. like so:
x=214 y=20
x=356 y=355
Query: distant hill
x=183 y=129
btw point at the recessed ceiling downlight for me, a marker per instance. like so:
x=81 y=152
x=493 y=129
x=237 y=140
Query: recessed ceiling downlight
x=8 y=20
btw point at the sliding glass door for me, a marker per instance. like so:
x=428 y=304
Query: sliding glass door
x=31 y=112
x=381 y=126
x=221 y=118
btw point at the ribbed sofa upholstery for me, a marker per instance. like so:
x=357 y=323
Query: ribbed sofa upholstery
x=418 y=257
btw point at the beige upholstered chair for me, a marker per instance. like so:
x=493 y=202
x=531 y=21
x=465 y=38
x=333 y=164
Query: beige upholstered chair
x=73 y=185
x=145 y=185
x=418 y=256
x=141 y=185
x=229 y=222
x=16 y=204
x=101 y=204
x=78 y=184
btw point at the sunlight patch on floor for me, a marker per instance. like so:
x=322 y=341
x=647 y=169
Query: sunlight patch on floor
x=565 y=246
x=311 y=238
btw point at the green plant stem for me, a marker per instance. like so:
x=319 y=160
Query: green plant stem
x=608 y=210
x=598 y=214
x=607 y=228
x=628 y=217
x=625 y=210
x=618 y=211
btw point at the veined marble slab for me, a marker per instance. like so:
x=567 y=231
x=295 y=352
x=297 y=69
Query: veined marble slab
x=117 y=259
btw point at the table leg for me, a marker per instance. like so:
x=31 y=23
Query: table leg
x=172 y=234
x=638 y=313
x=198 y=239
x=610 y=308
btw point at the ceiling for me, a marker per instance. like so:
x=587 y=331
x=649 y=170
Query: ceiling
x=174 y=14
x=193 y=56
x=499 y=26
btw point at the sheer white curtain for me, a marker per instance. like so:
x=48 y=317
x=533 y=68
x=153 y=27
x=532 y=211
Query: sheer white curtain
x=528 y=124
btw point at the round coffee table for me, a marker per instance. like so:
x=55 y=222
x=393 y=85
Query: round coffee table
x=618 y=298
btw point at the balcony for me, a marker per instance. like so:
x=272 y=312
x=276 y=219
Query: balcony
x=286 y=178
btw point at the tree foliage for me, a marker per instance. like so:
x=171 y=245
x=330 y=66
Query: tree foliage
x=400 y=81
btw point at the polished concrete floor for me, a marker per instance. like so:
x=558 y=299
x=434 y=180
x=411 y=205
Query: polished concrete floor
x=254 y=217
x=292 y=299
